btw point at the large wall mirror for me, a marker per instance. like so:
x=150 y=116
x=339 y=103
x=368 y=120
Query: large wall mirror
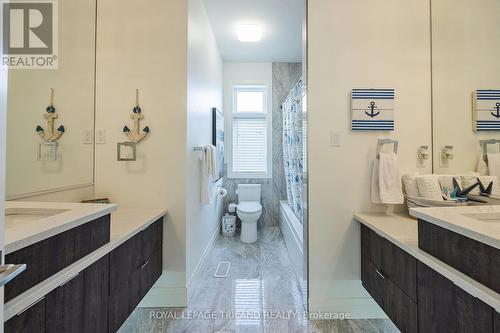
x=34 y=163
x=465 y=59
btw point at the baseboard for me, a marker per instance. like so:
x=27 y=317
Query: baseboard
x=197 y=269
x=164 y=298
x=347 y=297
x=169 y=291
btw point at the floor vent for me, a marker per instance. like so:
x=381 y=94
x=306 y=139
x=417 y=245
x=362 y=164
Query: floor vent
x=222 y=269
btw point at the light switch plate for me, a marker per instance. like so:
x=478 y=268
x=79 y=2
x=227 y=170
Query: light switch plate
x=87 y=136
x=335 y=138
x=100 y=136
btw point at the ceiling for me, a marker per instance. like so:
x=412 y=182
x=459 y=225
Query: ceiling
x=281 y=22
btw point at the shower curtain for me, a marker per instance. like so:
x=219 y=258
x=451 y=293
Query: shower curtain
x=293 y=148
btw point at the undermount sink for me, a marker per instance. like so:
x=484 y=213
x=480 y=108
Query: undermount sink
x=485 y=217
x=20 y=216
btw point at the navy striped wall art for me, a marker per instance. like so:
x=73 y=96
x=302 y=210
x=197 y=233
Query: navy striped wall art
x=372 y=110
x=486 y=110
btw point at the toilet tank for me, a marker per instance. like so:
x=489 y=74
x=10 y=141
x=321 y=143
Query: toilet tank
x=249 y=192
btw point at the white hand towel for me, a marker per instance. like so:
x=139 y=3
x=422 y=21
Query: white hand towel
x=429 y=188
x=389 y=179
x=494 y=164
x=482 y=167
x=208 y=169
x=410 y=184
x=375 y=187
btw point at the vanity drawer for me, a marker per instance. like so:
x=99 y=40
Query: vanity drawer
x=372 y=280
x=134 y=267
x=477 y=260
x=371 y=246
x=400 y=308
x=49 y=256
x=31 y=320
x=400 y=268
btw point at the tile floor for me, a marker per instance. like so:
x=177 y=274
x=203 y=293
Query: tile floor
x=261 y=294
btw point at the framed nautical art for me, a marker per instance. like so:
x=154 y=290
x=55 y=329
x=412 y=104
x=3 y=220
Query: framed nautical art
x=486 y=110
x=218 y=139
x=372 y=110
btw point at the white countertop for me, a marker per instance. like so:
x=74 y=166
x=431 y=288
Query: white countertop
x=26 y=233
x=456 y=220
x=125 y=223
x=402 y=231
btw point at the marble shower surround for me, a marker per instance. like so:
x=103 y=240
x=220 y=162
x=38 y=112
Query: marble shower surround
x=285 y=75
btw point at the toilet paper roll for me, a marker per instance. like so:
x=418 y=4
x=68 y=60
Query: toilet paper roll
x=222 y=193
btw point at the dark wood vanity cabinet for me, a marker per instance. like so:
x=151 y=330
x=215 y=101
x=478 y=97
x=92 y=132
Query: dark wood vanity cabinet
x=47 y=257
x=417 y=298
x=445 y=308
x=134 y=267
x=80 y=304
x=101 y=297
x=389 y=275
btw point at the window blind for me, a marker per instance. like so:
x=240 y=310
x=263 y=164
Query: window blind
x=249 y=145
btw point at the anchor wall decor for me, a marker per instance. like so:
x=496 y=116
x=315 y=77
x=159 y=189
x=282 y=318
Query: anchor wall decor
x=50 y=134
x=135 y=135
x=486 y=110
x=372 y=109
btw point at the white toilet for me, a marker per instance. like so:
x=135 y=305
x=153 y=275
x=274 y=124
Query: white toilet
x=249 y=210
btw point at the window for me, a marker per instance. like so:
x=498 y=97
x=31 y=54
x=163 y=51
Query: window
x=251 y=129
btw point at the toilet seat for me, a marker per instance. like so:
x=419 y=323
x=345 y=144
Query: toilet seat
x=249 y=207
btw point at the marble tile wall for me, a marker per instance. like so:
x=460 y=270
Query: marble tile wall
x=285 y=75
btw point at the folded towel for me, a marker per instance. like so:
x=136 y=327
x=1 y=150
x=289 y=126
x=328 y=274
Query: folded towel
x=446 y=182
x=469 y=180
x=482 y=167
x=375 y=187
x=429 y=188
x=209 y=172
x=494 y=164
x=410 y=184
x=389 y=179
x=486 y=180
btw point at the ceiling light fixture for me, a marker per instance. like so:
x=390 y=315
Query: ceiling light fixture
x=249 y=33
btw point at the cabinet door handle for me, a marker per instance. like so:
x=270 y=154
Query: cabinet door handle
x=380 y=273
x=29 y=306
x=145 y=264
x=68 y=280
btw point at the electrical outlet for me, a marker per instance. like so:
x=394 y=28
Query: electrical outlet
x=100 y=136
x=87 y=136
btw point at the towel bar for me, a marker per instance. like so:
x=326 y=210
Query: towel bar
x=199 y=148
x=382 y=142
x=484 y=145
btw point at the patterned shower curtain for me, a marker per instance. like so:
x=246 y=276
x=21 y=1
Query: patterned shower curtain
x=293 y=148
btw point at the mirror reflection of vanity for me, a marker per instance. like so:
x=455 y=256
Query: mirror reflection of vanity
x=465 y=58
x=59 y=157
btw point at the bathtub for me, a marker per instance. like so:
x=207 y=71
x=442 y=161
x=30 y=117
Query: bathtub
x=292 y=232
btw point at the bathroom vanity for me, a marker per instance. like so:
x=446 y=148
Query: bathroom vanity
x=88 y=265
x=433 y=275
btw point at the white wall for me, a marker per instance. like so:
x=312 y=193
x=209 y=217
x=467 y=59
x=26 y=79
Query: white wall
x=145 y=46
x=358 y=44
x=29 y=92
x=3 y=127
x=204 y=93
x=465 y=58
